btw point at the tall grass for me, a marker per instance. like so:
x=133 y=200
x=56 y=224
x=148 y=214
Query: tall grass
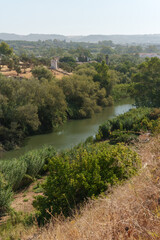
x=14 y=172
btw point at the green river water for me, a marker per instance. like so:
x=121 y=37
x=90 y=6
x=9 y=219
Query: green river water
x=72 y=132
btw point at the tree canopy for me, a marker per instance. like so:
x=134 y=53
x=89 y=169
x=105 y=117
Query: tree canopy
x=5 y=49
x=147 y=83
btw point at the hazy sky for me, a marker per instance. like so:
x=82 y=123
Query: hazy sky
x=80 y=17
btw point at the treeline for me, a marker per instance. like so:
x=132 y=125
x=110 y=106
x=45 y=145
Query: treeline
x=40 y=104
x=55 y=47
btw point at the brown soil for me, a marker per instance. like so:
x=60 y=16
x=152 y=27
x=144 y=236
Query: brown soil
x=23 y=200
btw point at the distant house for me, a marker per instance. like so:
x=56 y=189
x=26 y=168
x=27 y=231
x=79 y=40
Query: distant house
x=149 y=55
x=54 y=63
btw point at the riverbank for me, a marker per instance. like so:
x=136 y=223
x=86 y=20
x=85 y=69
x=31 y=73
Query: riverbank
x=19 y=172
x=72 y=132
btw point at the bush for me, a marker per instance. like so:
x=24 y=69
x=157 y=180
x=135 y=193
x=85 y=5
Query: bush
x=130 y=124
x=82 y=173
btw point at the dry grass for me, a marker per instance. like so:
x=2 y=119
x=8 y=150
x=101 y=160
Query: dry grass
x=6 y=72
x=28 y=74
x=131 y=211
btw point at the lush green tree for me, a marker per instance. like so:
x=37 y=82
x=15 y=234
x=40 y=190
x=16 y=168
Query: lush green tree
x=82 y=101
x=51 y=106
x=5 y=49
x=102 y=75
x=107 y=50
x=42 y=73
x=86 y=69
x=67 y=59
x=67 y=63
x=147 y=83
x=28 y=106
x=100 y=57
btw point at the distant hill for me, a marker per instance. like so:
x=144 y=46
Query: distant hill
x=31 y=37
x=123 y=39
x=118 y=39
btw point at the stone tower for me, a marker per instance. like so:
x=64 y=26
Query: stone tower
x=54 y=63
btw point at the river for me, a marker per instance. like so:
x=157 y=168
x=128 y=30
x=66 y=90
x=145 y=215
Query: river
x=72 y=132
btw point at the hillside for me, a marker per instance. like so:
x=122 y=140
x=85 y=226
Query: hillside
x=131 y=211
x=119 y=39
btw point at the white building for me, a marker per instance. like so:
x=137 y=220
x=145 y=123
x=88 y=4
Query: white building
x=54 y=63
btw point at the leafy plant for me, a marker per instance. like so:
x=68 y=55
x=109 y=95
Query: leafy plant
x=127 y=126
x=84 y=172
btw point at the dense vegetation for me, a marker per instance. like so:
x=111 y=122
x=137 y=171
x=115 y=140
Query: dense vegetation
x=147 y=83
x=28 y=106
x=50 y=48
x=40 y=104
x=19 y=172
x=128 y=126
x=89 y=169
x=84 y=172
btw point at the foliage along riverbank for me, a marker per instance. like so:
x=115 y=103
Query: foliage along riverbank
x=85 y=171
x=40 y=104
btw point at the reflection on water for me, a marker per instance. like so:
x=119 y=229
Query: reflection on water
x=72 y=132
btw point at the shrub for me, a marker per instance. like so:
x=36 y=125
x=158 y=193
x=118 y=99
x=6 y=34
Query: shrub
x=82 y=173
x=130 y=123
